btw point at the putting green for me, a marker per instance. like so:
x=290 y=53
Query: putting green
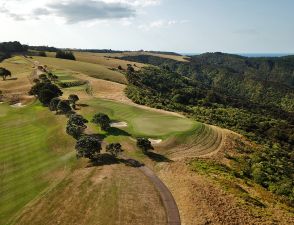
x=28 y=155
x=142 y=122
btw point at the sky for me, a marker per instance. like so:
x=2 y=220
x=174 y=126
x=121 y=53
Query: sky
x=184 y=26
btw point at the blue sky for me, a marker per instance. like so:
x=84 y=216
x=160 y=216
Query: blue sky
x=189 y=26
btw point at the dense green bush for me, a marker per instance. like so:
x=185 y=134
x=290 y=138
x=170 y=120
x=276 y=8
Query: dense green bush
x=270 y=126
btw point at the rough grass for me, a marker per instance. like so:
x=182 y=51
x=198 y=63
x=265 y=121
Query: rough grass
x=141 y=122
x=112 y=194
x=27 y=154
x=90 y=69
x=104 y=61
x=18 y=84
x=174 y=57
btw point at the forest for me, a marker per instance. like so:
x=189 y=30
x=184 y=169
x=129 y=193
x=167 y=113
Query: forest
x=252 y=96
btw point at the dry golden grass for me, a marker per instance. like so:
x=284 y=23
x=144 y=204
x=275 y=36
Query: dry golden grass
x=174 y=57
x=19 y=84
x=104 y=61
x=112 y=194
x=90 y=69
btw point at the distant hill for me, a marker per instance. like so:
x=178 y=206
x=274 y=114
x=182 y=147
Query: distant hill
x=8 y=48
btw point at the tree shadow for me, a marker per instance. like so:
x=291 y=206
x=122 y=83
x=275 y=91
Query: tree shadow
x=107 y=159
x=12 y=78
x=157 y=157
x=117 y=132
x=82 y=105
x=101 y=137
x=103 y=159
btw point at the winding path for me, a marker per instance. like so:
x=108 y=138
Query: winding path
x=170 y=205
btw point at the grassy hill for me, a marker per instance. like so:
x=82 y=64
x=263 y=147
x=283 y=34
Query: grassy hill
x=93 y=70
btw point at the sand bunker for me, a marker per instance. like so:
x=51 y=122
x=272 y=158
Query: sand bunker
x=119 y=124
x=155 y=141
x=1 y=103
x=18 y=105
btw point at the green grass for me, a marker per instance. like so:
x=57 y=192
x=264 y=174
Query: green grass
x=90 y=69
x=27 y=155
x=141 y=122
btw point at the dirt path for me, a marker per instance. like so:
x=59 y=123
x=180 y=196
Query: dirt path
x=170 y=205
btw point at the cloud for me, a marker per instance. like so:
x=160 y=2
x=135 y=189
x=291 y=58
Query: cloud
x=159 y=24
x=78 y=11
x=14 y=16
x=74 y=11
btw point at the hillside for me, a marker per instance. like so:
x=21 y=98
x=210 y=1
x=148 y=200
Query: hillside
x=188 y=155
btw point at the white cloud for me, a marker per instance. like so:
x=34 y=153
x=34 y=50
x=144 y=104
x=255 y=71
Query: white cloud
x=159 y=24
x=73 y=11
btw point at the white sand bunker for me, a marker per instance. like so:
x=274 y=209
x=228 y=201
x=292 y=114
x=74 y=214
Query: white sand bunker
x=155 y=141
x=1 y=103
x=119 y=124
x=18 y=105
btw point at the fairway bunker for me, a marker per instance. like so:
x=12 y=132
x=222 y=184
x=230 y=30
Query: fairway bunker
x=18 y=105
x=119 y=124
x=155 y=141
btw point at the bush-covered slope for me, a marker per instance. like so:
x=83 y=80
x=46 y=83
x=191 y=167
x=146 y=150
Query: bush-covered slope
x=266 y=122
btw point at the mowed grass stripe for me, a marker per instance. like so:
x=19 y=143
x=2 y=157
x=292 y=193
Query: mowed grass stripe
x=25 y=156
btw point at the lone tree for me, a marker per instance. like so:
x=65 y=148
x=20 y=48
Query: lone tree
x=114 y=149
x=88 y=147
x=63 y=107
x=4 y=73
x=73 y=99
x=144 y=144
x=103 y=120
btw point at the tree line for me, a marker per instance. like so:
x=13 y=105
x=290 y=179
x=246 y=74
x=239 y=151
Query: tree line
x=87 y=146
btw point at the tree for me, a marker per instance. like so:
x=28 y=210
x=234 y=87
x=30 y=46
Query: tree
x=53 y=104
x=65 y=55
x=76 y=125
x=4 y=73
x=73 y=99
x=43 y=78
x=119 y=67
x=103 y=120
x=74 y=131
x=35 y=90
x=36 y=81
x=114 y=149
x=88 y=147
x=42 y=54
x=63 y=107
x=45 y=96
x=130 y=69
x=77 y=120
x=144 y=144
x=52 y=77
